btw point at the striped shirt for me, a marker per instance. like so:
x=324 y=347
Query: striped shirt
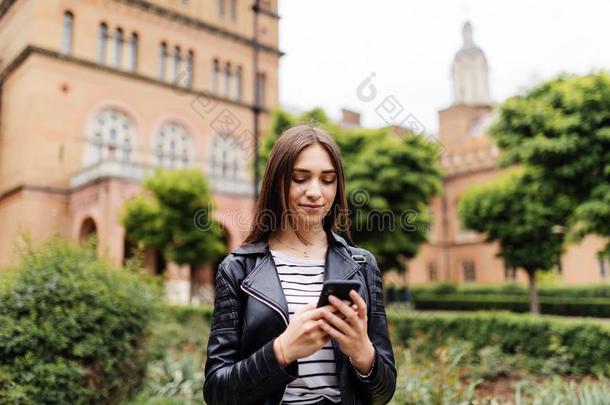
x=302 y=281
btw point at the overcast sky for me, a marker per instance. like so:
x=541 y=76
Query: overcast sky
x=331 y=46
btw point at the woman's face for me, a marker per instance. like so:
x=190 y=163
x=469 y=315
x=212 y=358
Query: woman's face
x=313 y=184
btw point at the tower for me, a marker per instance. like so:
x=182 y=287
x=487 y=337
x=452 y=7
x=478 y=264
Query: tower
x=469 y=72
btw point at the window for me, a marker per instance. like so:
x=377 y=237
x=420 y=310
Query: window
x=214 y=78
x=177 y=60
x=260 y=89
x=221 y=8
x=226 y=162
x=189 y=69
x=118 y=46
x=111 y=137
x=233 y=9
x=172 y=146
x=66 y=43
x=510 y=273
x=101 y=44
x=604 y=266
x=238 y=79
x=469 y=271
x=133 y=52
x=162 y=57
x=432 y=272
x=227 y=80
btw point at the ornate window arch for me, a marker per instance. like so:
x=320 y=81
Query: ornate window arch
x=227 y=166
x=111 y=137
x=172 y=145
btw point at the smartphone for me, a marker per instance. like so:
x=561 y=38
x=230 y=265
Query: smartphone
x=338 y=288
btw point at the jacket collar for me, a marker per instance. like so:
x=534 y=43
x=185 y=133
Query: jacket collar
x=263 y=281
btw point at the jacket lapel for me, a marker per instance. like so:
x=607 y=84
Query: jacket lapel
x=264 y=282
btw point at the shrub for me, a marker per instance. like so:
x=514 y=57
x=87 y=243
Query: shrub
x=74 y=328
x=582 y=346
x=567 y=306
x=584 y=291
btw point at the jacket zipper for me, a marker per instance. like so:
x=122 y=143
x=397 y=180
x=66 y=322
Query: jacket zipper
x=253 y=295
x=269 y=304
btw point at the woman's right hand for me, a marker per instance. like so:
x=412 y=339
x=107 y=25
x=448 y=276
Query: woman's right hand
x=303 y=336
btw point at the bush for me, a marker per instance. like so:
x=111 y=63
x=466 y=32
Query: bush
x=74 y=328
x=586 y=343
x=584 y=291
x=567 y=306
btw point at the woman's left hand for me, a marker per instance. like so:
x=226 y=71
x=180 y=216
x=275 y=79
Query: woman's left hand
x=351 y=333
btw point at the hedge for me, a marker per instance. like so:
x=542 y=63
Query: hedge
x=586 y=342
x=584 y=291
x=567 y=306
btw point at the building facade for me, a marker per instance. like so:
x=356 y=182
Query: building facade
x=95 y=94
x=469 y=157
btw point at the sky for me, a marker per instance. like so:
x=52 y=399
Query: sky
x=406 y=49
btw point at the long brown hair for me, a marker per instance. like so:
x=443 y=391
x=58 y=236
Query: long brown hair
x=271 y=210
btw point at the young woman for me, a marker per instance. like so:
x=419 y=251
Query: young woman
x=268 y=343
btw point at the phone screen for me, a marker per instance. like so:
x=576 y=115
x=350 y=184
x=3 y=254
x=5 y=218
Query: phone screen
x=338 y=288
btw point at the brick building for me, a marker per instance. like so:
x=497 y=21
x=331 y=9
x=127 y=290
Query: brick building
x=94 y=94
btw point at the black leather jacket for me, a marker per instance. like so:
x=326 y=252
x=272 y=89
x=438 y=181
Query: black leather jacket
x=250 y=311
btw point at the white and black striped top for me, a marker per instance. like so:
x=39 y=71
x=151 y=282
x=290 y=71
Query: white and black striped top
x=302 y=281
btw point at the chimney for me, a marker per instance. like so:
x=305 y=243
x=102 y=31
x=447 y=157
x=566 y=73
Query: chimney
x=349 y=118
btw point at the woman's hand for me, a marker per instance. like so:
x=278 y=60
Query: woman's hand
x=304 y=335
x=351 y=331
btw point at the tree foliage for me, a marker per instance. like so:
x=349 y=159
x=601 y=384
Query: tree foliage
x=175 y=218
x=390 y=179
x=523 y=216
x=562 y=129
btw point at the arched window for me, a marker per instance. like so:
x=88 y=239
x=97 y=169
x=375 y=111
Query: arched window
x=118 y=46
x=101 y=44
x=227 y=80
x=111 y=137
x=238 y=83
x=214 y=77
x=227 y=166
x=176 y=70
x=133 y=52
x=225 y=161
x=162 y=58
x=469 y=271
x=66 y=43
x=172 y=146
x=189 y=69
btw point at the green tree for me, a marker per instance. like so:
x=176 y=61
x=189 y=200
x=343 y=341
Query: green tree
x=390 y=180
x=561 y=128
x=174 y=218
x=523 y=216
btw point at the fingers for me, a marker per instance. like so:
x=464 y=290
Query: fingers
x=359 y=303
x=350 y=314
x=306 y=312
x=337 y=323
x=317 y=313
